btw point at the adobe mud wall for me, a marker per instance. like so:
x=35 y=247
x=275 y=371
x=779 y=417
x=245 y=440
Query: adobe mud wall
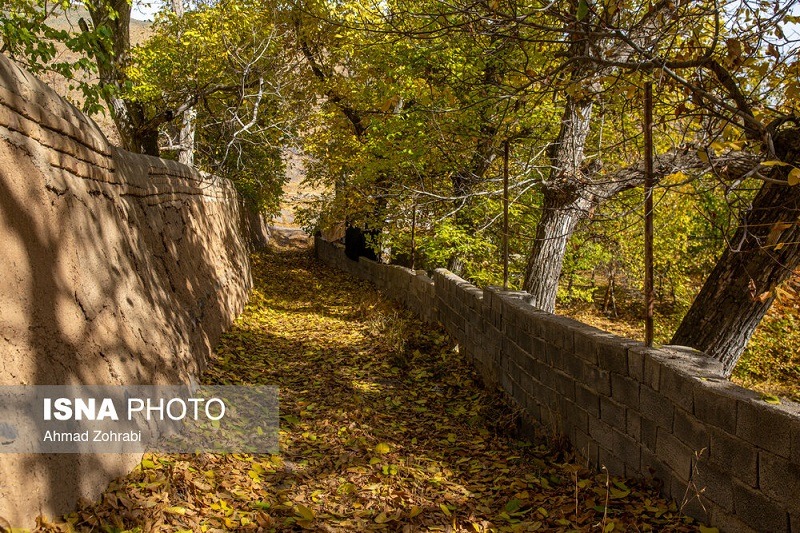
x=641 y=412
x=115 y=268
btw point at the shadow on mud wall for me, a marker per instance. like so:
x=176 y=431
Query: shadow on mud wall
x=110 y=290
x=52 y=481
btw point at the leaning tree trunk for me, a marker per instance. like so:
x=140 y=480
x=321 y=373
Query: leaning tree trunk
x=741 y=288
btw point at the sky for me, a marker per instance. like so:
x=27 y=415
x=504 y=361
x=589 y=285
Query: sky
x=145 y=9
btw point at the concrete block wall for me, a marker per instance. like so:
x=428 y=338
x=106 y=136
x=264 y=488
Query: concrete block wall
x=662 y=413
x=115 y=268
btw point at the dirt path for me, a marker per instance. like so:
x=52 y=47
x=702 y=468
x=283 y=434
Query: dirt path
x=383 y=426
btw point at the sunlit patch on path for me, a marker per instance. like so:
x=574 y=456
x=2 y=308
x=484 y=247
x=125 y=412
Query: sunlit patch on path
x=383 y=427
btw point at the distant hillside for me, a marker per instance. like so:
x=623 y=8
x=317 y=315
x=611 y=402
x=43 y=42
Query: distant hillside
x=140 y=30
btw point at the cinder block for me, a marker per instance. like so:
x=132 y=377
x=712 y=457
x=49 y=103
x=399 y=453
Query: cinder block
x=507 y=383
x=586 y=447
x=713 y=405
x=779 y=479
x=690 y=431
x=656 y=408
x=523 y=384
x=564 y=408
x=511 y=351
x=523 y=340
x=691 y=503
x=767 y=428
x=734 y=456
x=577 y=417
x=612 y=354
x=529 y=364
x=534 y=325
x=585 y=342
x=674 y=453
x=794 y=428
x=678 y=386
x=553 y=355
x=625 y=390
x=636 y=363
x=614 y=464
x=612 y=413
x=547 y=377
x=525 y=381
x=568 y=332
x=728 y=522
x=630 y=451
x=547 y=397
x=550 y=419
x=757 y=511
x=602 y=433
x=652 y=372
x=554 y=332
x=534 y=409
x=633 y=425
x=693 y=362
x=588 y=400
x=538 y=349
x=716 y=485
x=638 y=357
x=564 y=385
x=660 y=472
x=572 y=365
x=597 y=379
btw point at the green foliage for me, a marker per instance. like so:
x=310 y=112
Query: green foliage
x=30 y=36
x=478 y=254
x=229 y=61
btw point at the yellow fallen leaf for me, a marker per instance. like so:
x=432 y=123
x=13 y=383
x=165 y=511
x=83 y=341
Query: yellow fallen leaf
x=618 y=494
x=794 y=177
x=304 y=512
x=445 y=510
x=415 y=511
x=382 y=448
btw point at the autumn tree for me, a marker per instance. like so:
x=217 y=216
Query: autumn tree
x=730 y=70
x=222 y=70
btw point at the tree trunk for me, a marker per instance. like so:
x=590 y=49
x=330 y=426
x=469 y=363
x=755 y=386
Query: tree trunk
x=186 y=137
x=741 y=288
x=189 y=118
x=566 y=201
x=560 y=216
x=177 y=8
x=129 y=117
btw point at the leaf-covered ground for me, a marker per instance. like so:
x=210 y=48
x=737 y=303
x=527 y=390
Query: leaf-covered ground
x=383 y=427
